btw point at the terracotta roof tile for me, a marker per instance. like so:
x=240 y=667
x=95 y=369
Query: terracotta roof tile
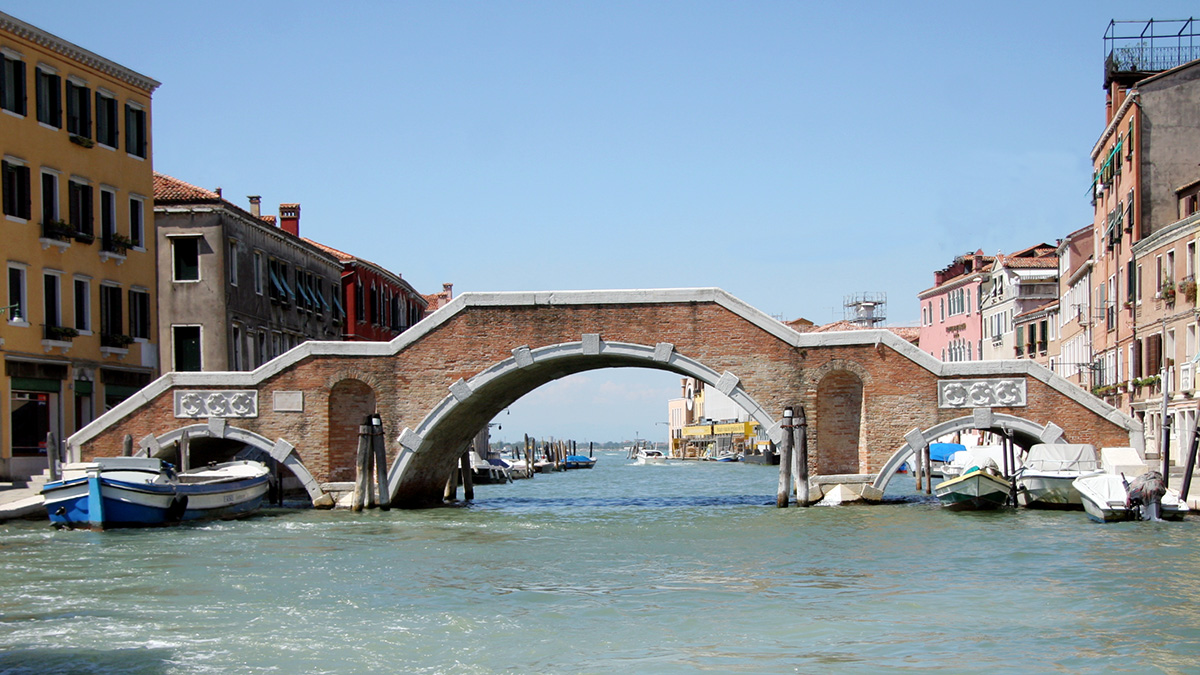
x=167 y=188
x=270 y=220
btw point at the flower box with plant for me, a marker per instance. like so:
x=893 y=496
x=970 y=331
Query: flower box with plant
x=58 y=229
x=61 y=333
x=82 y=141
x=117 y=243
x=1188 y=288
x=1167 y=291
x=116 y=340
x=83 y=237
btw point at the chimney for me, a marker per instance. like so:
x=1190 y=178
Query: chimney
x=289 y=218
x=448 y=289
x=218 y=193
x=255 y=205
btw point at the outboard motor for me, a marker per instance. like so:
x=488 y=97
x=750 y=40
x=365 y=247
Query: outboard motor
x=1147 y=490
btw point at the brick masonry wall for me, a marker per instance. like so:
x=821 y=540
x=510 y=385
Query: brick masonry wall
x=897 y=395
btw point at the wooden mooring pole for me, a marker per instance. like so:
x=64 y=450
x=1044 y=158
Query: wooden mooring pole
x=928 y=470
x=127 y=446
x=801 y=461
x=785 y=461
x=185 y=452
x=52 y=456
x=362 y=480
x=1191 y=463
x=468 y=478
x=380 y=460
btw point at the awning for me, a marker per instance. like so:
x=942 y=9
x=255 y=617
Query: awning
x=341 y=312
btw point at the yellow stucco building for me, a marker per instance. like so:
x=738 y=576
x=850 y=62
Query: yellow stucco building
x=77 y=332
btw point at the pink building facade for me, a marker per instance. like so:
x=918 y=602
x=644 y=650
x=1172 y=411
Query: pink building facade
x=951 y=326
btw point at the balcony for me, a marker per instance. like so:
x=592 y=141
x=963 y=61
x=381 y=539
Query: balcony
x=59 y=333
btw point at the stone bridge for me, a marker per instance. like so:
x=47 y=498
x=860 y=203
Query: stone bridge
x=870 y=397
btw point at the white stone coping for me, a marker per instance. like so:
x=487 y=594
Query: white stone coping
x=880 y=337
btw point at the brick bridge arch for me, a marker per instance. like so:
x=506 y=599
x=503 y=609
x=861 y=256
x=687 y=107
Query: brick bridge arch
x=438 y=383
x=428 y=452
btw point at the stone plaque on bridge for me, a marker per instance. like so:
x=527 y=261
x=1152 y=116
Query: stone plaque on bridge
x=991 y=393
x=219 y=403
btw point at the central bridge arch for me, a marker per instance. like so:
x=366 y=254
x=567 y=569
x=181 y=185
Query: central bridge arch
x=429 y=452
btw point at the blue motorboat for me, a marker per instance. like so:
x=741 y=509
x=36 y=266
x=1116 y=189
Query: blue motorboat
x=578 y=462
x=140 y=491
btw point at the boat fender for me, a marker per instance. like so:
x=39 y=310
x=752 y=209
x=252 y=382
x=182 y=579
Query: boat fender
x=176 y=509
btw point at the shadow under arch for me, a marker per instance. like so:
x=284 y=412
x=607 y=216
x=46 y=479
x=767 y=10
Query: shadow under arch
x=1025 y=433
x=280 y=450
x=418 y=474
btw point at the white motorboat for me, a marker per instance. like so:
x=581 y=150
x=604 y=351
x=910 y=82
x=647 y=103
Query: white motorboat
x=1106 y=499
x=1046 y=481
x=975 y=455
x=980 y=487
x=647 y=456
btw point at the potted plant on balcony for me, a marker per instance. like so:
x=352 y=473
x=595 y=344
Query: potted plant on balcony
x=83 y=237
x=118 y=243
x=1167 y=291
x=82 y=141
x=116 y=340
x=58 y=229
x=1188 y=288
x=61 y=333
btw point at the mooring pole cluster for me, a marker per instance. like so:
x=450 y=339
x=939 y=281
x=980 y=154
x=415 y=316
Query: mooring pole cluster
x=793 y=459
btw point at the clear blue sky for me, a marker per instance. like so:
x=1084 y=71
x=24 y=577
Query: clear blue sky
x=791 y=153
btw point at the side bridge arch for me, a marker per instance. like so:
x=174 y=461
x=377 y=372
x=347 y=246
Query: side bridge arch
x=279 y=450
x=981 y=419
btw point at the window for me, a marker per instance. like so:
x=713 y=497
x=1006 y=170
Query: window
x=106 y=119
x=185 y=258
x=83 y=305
x=16 y=189
x=80 y=197
x=16 y=295
x=186 y=348
x=79 y=109
x=359 y=301
x=257 y=259
x=12 y=83
x=261 y=350
x=50 y=300
x=49 y=197
x=137 y=222
x=237 y=347
x=233 y=262
x=1190 y=263
x=135 y=130
x=49 y=98
x=139 y=314
x=108 y=216
x=1138 y=285
x=111 y=323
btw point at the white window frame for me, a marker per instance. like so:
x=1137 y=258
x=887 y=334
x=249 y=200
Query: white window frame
x=87 y=303
x=139 y=242
x=175 y=351
x=24 y=299
x=172 y=238
x=57 y=276
x=231 y=261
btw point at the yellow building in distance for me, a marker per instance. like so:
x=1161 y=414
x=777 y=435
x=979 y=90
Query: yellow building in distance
x=77 y=332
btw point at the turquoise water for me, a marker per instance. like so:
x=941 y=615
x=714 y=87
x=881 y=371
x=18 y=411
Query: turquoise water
x=642 y=569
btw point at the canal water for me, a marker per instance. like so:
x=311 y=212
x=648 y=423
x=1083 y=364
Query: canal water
x=679 y=568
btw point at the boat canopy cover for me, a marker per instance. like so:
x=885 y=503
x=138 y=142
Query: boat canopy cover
x=1062 y=457
x=940 y=452
x=980 y=456
x=1104 y=488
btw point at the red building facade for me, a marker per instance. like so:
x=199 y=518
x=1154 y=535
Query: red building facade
x=379 y=304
